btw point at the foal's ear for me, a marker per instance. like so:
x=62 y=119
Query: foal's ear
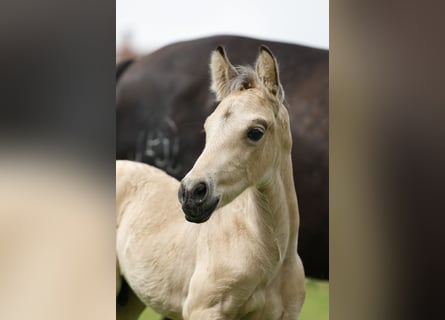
x=266 y=68
x=222 y=72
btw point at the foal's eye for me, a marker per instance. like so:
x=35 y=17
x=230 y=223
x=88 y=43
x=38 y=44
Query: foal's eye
x=255 y=134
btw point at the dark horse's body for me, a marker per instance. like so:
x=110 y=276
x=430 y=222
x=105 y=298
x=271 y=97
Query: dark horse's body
x=164 y=98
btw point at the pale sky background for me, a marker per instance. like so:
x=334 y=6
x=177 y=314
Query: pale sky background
x=152 y=24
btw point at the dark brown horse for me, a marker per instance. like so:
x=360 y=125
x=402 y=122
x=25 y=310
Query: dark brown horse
x=163 y=99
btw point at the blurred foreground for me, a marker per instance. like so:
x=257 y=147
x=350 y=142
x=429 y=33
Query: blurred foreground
x=56 y=239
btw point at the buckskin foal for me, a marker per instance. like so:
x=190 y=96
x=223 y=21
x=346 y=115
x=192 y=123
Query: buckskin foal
x=234 y=255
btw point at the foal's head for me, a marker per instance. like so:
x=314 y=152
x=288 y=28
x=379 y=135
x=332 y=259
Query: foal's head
x=246 y=136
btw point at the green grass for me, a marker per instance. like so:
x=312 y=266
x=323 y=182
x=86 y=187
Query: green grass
x=149 y=314
x=316 y=306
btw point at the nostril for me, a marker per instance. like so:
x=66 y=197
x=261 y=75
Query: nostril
x=181 y=194
x=199 y=192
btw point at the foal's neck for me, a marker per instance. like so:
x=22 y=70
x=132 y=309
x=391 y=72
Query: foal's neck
x=274 y=206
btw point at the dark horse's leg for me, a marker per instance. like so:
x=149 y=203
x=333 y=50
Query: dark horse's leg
x=128 y=305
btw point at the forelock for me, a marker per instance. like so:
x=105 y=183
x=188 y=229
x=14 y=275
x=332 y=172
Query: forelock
x=246 y=78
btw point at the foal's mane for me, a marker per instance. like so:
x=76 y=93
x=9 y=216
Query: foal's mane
x=246 y=78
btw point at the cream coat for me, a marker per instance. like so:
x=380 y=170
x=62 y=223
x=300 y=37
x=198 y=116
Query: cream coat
x=242 y=263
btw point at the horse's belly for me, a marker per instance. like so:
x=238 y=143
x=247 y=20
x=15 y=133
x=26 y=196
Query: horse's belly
x=155 y=282
x=160 y=298
x=156 y=268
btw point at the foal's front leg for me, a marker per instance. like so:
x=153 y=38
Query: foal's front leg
x=201 y=306
x=205 y=315
x=293 y=289
x=215 y=299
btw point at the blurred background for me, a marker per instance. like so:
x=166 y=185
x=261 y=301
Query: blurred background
x=144 y=26
x=386 y=152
